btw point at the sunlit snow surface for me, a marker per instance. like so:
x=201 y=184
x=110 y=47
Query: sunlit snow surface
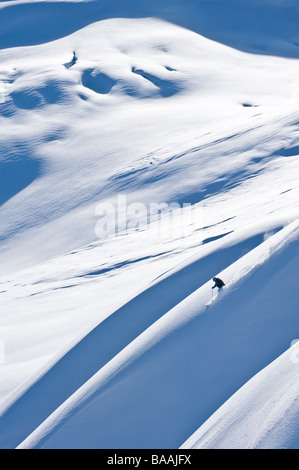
x=116 y=342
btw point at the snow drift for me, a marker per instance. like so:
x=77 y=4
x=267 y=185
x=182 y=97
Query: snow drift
x=113 y=340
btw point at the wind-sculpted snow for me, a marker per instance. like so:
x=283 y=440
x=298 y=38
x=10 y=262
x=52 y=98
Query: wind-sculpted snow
x=198 y=356
x=111 y=336
x=263 y=414
x=191 y=139
x=145 y=148
x=264 y=27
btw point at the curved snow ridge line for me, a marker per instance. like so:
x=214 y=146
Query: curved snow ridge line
x=264 y=413
x=80 y=361
x=232 y=239
x=184 y=312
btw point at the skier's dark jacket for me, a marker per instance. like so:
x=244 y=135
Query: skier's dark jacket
x=218 y=282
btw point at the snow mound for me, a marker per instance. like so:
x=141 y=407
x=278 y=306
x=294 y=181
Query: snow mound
x=263 y=414
x=184 y=352
x=110 y=335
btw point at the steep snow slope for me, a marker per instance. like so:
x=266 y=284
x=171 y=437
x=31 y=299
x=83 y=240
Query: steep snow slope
x=176 y=99
x=263 y=414
x=113 y=334
x=180 y=369
x=101 y=99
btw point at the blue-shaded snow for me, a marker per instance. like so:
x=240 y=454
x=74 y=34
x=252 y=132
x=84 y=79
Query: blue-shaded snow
x=272 y=28
x=16 y=174
x=109 y=338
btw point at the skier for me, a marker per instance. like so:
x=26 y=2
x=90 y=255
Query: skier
x=218 y=283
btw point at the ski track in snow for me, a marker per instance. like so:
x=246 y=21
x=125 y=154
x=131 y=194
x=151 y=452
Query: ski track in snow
x=116 y=342
x=161 y=354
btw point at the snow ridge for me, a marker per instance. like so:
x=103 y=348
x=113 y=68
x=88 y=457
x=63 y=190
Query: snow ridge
x=110 y=334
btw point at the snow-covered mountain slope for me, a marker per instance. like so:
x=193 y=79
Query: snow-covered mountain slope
x=143 y=102
x=263 y=26
x=263 y=414
x=201 y=99
x=187 y=359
